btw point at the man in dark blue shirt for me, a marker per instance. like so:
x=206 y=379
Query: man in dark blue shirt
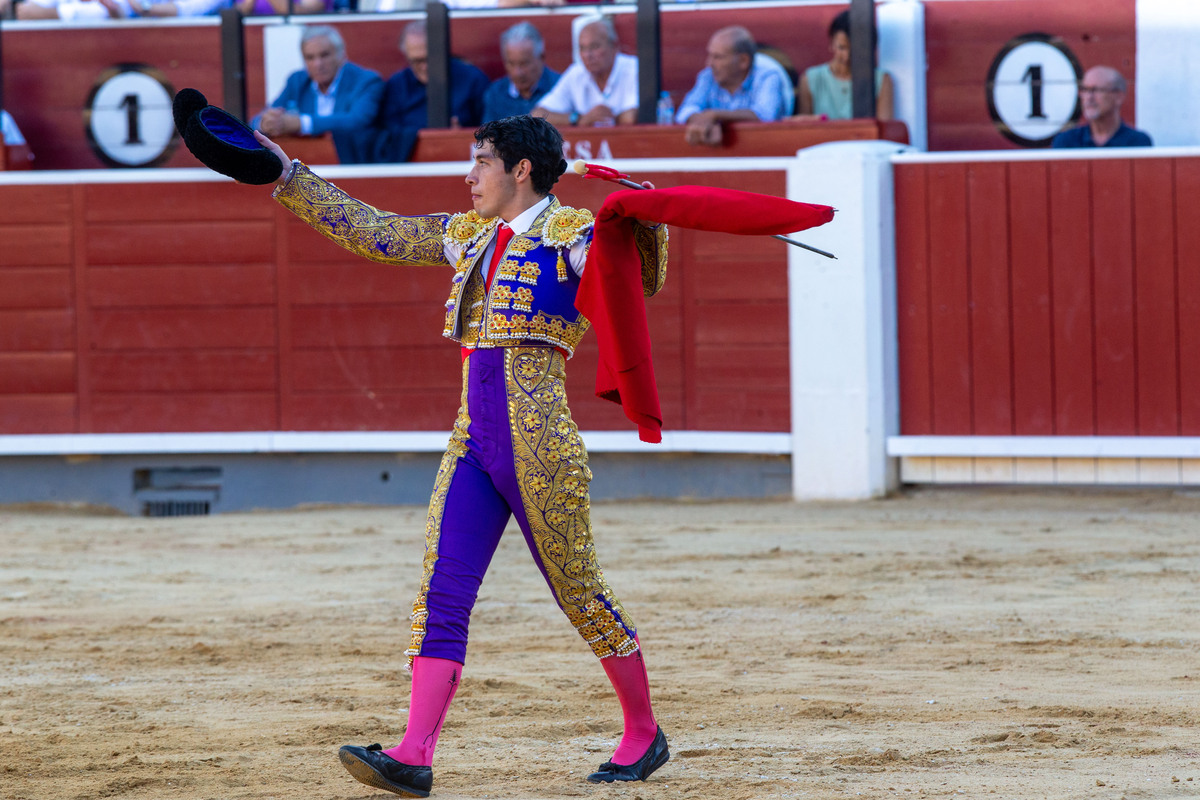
x=1101 y=93
x=528 y=78
x=404 y=109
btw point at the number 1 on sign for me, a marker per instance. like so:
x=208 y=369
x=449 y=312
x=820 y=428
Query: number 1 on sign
x=130 y=104
x=1033 y=76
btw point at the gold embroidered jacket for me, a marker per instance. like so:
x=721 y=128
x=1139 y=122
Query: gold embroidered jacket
x=532 y=297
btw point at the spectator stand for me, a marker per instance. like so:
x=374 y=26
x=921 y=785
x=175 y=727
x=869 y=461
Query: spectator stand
x=174 y=53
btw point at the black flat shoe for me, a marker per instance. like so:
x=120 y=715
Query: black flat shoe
x=369 y=765
x=656 y=755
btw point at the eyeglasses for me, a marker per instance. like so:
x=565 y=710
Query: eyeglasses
x=1096 y=89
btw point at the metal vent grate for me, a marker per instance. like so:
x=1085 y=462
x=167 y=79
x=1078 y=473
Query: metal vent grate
x=177 y=491
x=176 y=508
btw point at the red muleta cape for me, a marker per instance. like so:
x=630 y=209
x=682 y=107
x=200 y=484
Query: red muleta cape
x=610 y=292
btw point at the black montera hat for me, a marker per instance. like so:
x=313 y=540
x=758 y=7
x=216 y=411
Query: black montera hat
x=221 y=141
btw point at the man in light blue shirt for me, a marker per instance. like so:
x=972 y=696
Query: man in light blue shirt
x=739 y=83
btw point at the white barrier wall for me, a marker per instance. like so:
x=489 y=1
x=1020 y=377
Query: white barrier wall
x=901 y=26
x=1168 y=70
x=843 y=325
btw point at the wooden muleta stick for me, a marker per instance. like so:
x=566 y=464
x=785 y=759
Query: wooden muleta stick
x=581 y=167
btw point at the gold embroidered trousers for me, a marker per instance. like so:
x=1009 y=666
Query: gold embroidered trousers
x=514 y=451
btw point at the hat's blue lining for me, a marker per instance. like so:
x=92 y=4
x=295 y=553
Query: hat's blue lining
x=228 y=128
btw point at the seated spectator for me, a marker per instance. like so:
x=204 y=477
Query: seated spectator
x=528 y=78
x=74 y=10
x=602 y=90
x=1101 y=94
x=501 y=3
x=739 y=83
x=826 y=90
x=405 y=107
x=177 y=8
x=405 y=5
x=96 y=10
x=264 y=8
x=330 y=95
x=14 y=143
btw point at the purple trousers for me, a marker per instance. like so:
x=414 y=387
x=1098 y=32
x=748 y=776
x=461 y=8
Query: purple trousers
x=514 y=451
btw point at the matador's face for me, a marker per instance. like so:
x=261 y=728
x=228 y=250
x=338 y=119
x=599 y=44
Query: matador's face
x=492 y=188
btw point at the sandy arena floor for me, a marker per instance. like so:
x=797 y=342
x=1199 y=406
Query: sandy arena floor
x=942 y=643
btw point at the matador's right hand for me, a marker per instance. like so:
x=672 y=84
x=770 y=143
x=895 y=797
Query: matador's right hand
x=266 y=142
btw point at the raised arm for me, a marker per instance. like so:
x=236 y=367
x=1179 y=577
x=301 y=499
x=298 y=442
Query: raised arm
x=360 y=228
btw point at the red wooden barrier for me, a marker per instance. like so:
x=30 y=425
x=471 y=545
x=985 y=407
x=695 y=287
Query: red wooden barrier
x=741 y=139
x=129 y=307
x=1048 y=297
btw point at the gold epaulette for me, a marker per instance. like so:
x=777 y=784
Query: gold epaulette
x=463 y=229
x=566 y=226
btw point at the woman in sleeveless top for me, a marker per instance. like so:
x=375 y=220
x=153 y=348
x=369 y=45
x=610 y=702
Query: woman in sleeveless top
x=826 y=89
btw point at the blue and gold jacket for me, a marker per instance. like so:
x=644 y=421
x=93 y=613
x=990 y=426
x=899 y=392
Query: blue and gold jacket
x=532 y=297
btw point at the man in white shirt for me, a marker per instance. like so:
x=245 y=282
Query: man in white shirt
x=89 y=11
x=74 y=10
x=602 y=90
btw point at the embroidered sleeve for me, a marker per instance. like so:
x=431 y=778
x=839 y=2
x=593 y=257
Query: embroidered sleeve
x=362 y=229
x=652 y=249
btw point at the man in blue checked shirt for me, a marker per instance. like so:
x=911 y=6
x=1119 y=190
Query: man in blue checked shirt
x=739 y=83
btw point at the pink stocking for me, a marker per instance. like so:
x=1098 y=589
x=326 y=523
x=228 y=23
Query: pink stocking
x=434 y=682
x=628 y=676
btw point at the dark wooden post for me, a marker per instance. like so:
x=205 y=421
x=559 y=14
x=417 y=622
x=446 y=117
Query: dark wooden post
x=649 y=60
x=862 y=56
x=233 y=62
x=437 y=93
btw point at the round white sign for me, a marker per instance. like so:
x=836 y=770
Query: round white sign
x=129 y=120
x=1033 y=89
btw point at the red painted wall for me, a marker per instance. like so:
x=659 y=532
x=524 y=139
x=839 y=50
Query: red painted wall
x=1049 y=297
x=962 y=40
x=206 y=307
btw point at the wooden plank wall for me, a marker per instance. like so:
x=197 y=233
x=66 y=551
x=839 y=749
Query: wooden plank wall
x=38 y=345
x=1049 y=297
x=47 y=93
x=130 y=307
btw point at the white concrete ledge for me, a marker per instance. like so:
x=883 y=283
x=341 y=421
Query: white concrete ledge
x=1047 y=154
x=1045 y=446
x=364 y=442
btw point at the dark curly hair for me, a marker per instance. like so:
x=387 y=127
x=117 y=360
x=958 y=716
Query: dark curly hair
x=515 y=138
x=840 y=24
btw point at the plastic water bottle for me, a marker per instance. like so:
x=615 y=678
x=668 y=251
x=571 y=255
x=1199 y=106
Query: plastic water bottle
x=666 y=109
